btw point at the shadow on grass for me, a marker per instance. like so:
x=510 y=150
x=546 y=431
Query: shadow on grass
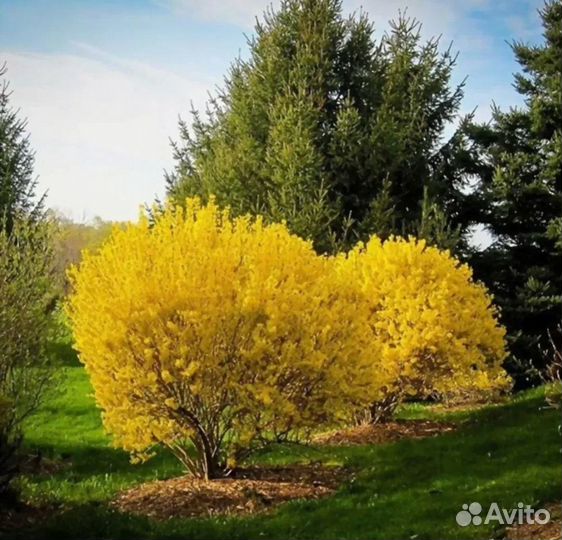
x=90 y=461
x=412 y=488
x=63 y=352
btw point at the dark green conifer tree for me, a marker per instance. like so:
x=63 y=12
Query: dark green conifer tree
x=17 y=181
x=324 y=127
x=521 y=184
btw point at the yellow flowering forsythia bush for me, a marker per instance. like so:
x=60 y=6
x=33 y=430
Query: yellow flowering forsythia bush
x=212 y=335
x=435 y=328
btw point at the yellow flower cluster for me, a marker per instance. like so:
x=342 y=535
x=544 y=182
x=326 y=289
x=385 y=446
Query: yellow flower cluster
x=436 y=328
x=202 y=331
x=211 y=335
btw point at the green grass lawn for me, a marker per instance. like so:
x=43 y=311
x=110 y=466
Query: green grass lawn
x=410 y=489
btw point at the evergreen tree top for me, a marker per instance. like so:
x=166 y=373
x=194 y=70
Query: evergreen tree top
x=327 y=128
x=18 y=183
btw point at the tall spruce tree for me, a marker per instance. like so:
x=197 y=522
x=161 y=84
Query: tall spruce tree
x=17 y=181
x=521 y=183
x=337 y=134
x=28 y=289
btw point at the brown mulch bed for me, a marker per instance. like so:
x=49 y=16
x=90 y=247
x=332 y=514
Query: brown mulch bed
x=21 y=516
x=384 y=432
x=551 y=531
x=249 y=490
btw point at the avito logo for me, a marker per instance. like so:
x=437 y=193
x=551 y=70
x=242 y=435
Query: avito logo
x=471 y=515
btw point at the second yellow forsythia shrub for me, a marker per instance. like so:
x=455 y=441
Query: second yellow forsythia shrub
x=209 y=334
x=436 y=329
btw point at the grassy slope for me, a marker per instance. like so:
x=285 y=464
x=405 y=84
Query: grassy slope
x=504 y=454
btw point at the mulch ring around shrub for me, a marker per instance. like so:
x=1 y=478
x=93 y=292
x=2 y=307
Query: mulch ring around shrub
x=384 y=432
x=247 y=491
x=550 y=531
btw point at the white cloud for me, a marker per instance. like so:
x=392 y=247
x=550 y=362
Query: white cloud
x=100 y=126
x=448 y=18
x=241 y=13
x=100 y=123
x=437 y=15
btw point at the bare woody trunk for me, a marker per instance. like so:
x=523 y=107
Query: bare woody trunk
x=206 y=463
x=383 y=411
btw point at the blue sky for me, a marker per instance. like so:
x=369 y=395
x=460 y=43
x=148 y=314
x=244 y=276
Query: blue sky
x=102 y=82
